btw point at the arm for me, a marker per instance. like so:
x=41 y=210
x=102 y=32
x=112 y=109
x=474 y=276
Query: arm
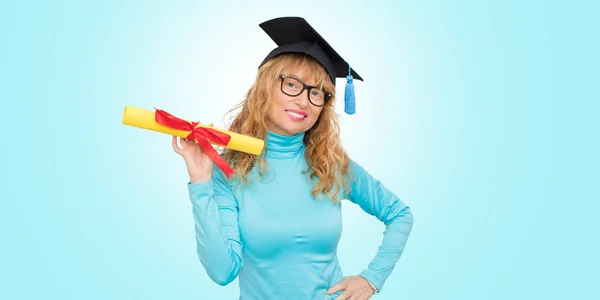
x=215 y=213
x=378 y=201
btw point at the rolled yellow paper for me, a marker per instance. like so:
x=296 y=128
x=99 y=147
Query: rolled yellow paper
x=142 y=118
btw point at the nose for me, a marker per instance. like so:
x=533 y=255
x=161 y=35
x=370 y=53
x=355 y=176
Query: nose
x=302 y=99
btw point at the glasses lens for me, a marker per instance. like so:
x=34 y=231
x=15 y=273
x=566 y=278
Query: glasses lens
x=292 y=86
x=317 y=96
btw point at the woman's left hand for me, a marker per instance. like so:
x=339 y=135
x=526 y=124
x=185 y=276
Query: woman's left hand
x=355 y=287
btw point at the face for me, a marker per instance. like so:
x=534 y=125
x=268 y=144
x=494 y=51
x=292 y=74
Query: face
x=291 y=115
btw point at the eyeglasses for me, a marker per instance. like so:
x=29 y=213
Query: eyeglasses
x=293 y=87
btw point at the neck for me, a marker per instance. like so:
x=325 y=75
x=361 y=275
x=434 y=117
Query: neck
x=284 y=146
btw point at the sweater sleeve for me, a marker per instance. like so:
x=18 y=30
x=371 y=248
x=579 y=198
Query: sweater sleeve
x=378 y=201
x=215 y=212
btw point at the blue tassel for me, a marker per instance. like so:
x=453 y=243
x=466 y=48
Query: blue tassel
x=349 y=101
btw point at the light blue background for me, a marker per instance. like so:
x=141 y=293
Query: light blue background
x=478 y=114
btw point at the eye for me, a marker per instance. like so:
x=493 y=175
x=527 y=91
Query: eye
x=316 y=94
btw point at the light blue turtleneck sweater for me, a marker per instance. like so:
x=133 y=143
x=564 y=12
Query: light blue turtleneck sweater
x=281 y=241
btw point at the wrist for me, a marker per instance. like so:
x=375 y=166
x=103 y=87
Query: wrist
x=194 y=179
x=198 y=174
x=375 y=289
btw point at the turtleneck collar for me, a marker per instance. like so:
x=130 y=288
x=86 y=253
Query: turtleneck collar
x=281 y=146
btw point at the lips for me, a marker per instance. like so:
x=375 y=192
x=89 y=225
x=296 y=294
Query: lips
x=296 y=114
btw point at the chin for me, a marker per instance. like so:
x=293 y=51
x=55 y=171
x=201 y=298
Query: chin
x=294 y=132
x=288 y=128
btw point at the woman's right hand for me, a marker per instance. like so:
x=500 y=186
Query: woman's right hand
x=198 y=163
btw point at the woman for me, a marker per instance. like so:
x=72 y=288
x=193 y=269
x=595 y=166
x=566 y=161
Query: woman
x=276 y=224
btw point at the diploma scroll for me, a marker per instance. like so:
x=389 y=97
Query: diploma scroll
x=164 y=122
x=142 y=118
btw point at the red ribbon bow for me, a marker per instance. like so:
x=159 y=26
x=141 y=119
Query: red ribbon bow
x=201 y=135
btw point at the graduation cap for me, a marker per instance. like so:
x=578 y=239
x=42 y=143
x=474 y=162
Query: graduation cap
x=295 y=35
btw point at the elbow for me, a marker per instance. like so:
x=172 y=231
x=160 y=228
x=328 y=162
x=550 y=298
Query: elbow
x=223 y=275
x=222 y=267
x=407 y=216
x=404 y=216
x=222 y=279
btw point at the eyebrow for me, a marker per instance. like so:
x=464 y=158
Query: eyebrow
x=299 y=78
x=295 y=76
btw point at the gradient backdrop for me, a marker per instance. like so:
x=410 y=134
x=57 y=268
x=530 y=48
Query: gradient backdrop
x=461 y=114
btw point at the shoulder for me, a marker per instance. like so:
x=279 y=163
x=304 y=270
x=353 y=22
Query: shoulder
x=356 y=171
x=357 y=178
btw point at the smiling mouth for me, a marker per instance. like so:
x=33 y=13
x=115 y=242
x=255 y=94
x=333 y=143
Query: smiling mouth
x=296 y=115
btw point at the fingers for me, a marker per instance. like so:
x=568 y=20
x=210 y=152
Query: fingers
x=175 y=146
x=352 y=288
x=338 y=287
x=187 y=143
x=349 y=295
x=187 y=146
x=184 y=144
x=344 y=296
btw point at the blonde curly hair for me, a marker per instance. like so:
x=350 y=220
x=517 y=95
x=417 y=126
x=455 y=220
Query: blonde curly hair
x=327 y=161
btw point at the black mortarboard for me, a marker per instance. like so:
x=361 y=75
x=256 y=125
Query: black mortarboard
x=295 y=35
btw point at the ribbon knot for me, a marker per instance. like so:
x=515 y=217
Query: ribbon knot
x=203 y=136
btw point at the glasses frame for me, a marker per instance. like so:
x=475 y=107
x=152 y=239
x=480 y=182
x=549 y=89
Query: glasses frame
x=304 y=87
